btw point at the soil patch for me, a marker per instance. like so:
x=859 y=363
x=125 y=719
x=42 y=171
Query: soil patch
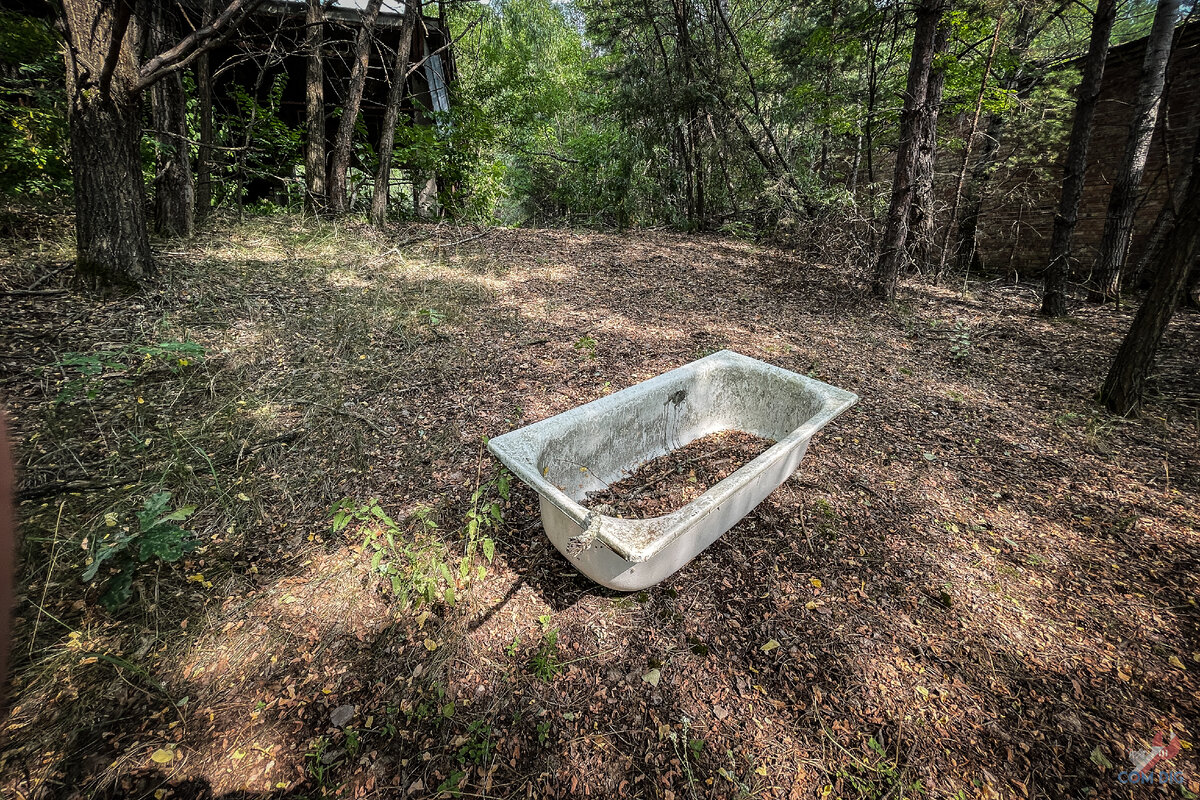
x=668 y=483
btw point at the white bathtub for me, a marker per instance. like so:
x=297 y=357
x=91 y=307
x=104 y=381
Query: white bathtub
x=587 y=448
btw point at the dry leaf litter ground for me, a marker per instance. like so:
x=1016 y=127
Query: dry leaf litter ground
x=977 y=584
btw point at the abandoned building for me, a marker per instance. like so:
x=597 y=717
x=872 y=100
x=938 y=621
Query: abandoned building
x=1018 y=215
x=267 y=62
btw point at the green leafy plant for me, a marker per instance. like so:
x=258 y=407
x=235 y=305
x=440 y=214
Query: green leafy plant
x=122 y=548
x=587 y=345
x=317 y=767
x=960 y=342
x=83 y=372
x=478 y=747
x=432 y=317
x=414 y=561
x=545 y=663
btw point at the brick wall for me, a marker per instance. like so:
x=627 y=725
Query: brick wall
x=1018 y=214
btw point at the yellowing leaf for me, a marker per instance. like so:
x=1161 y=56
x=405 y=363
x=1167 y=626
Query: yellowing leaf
x=769 y=646
x=921 y=690
x=762 y=770
x=1099 y=759
x=652 y=677
x=816 y=582
x=242 y=496
x=810 y=605
x=430 y=645
x=1175 y=662
x=162 y=756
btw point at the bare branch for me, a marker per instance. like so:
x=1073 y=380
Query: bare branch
x=195 y=43
x=120 y=25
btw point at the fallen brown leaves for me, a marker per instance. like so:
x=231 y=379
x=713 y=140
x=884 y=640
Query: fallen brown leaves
x=975 y=582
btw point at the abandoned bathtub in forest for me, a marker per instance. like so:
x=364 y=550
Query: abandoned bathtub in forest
x=587 y=448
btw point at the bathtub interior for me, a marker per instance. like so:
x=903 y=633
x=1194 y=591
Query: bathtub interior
x=599 y=444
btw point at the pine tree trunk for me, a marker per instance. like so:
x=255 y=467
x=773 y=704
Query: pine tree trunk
x=907 y=175
x=174 y=191
x=391 y=116
x=921 y=214
x=1123 y=388
x=1122 y=203
x=105 y=122
x=343 y=143
x=314 y=92
x=204 y=110
x=967 y=253
x=1054 y=293
x=968 y=144
x=1163 y=224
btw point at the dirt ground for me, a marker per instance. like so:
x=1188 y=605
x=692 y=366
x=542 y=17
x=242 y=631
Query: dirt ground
x=978 y=584
x=668 y=483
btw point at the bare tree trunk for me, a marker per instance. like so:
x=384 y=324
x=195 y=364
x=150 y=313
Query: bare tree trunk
x=204 y=109
x=966 y=156
x=855 y=165
x=104 y=110
x=105 y=119
x=1163 y=224
x=907 y=175
x=343 y=142
x=972 y=204
x=391 y=115
x=314 y=115
x=174 y=191
x=1123 y=388
x=920 y=226
x=1122 y=203
x=1054 y=297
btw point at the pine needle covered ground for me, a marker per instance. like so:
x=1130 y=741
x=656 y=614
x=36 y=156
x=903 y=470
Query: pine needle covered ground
x=978 y=584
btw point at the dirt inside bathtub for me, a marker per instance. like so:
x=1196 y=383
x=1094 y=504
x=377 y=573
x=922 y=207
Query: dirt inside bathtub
x=670 y=482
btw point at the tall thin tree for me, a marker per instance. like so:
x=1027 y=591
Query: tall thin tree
x=174 y=188
x=1122 y=203
x=391 y=114
x=920 y=213
x=1123 y=388
x=314 y=108
x=343 y=143
x=907 y=175
x=204 y=110
x=968 y=143
x=1054 y=293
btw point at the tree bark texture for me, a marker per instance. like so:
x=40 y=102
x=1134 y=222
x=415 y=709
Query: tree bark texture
x=339 y=164
x=391 y=115
x=921 y=213
x=204 y=150
x=1122 y=203
x=174 y=190
x=1163 y=223
x=1054 y=292
x=1123 y=388
x=904 y=184
x=314 y=119
x=105 y=123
